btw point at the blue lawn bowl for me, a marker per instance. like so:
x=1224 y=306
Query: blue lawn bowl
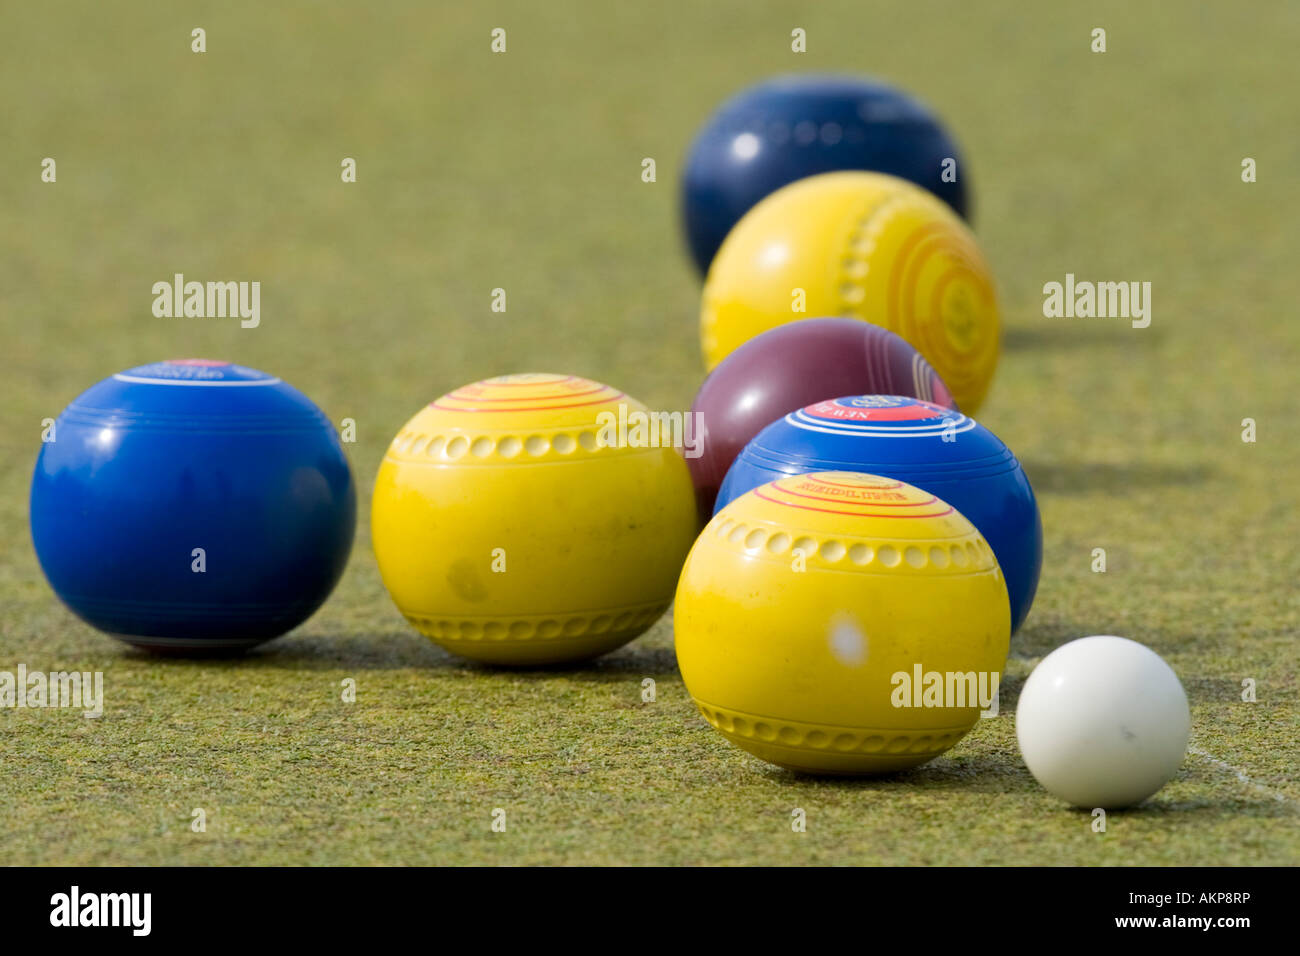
x=193 y=506
x=937 y=449
x=791 y=127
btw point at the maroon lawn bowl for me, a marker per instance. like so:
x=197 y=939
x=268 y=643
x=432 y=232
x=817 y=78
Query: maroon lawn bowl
x=789 y=367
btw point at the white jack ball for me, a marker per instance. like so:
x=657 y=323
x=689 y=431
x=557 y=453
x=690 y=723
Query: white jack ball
x=1103 y=722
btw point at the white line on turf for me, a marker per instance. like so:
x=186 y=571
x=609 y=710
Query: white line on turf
x=1241 y=776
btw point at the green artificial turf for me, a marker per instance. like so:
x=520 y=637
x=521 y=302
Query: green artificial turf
x=522 y=171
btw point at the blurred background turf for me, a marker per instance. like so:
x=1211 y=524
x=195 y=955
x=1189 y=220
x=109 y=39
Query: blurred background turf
x=522 y=171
